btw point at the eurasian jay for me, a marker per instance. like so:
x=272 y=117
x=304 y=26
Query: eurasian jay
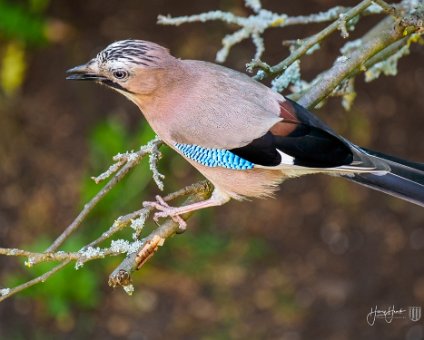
x=242 y=136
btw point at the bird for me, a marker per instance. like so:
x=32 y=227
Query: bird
x=241 y=135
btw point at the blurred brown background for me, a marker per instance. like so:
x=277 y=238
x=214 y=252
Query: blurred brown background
x=309 y=264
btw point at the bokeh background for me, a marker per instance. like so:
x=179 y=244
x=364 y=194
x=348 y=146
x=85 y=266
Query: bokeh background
x=309 y=264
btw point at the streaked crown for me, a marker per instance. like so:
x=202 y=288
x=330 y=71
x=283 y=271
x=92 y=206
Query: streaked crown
x=131 y=51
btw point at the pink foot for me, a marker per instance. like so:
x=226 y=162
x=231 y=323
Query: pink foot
x=166 y=211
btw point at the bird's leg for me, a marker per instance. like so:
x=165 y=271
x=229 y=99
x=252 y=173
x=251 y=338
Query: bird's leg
x=217 y=198
x=161 y=205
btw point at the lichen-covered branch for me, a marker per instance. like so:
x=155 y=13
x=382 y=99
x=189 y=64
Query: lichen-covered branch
x=121 y=276
x=8 y=292
x=383 y=35
x=124 y=163
x=134 y=247
x=288 y=70
x=307 y=44
x=255 y=25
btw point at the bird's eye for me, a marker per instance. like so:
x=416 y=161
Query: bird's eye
x=120 y=74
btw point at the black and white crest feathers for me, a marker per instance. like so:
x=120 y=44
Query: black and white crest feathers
x=137 y=52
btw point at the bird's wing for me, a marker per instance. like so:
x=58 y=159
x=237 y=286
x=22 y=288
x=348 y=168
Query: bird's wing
x=219 y=108
x=300 y=139
x=243 y=118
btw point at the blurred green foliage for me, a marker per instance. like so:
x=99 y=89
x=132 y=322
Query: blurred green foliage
x=197 y=252
x=70 y=288
x=59 y=295
x=20 y=25
x=24 y=22
x=106 y=140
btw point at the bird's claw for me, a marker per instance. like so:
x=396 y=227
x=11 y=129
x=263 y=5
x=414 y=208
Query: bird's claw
x=165 y=210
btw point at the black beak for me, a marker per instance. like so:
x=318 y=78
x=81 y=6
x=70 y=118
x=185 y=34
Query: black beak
x=83 y=72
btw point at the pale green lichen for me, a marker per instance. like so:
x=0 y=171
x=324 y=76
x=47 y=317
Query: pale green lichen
x=119 y=246
x=260 y=75
x=351 y=46
x=255 y=25
x=138 y=223
x=87 y=254
x=255 y=5
x=349 y=95
x=300 y=86
x=29 y=263
x=290 y=76
x=124 y=246
x=342 y=26
x=342 y=59
x=374 y=9
x=388 y=67
x=314 y=48
x=129 y=289
x=4 y=291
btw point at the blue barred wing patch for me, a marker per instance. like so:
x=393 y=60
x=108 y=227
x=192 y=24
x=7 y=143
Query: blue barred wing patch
x=214 y=157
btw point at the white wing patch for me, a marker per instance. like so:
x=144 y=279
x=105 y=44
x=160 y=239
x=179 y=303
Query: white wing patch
x=285 y=158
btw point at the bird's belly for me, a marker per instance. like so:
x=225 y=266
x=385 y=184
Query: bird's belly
x=238 y=184
x=241 y=184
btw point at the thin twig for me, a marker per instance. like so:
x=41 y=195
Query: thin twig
x=81 y=256
x=41 y=278
x=308 y=43
x=89 y=253
x=389 y=9
x=56 y=256
x=121 y=276
x=330 y=15
x=93 y=202
x=329 y=80
x=255 y=25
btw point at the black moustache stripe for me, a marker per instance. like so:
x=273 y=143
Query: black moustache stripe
x=111 y=83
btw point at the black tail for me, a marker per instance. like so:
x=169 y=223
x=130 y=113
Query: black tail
x=405 y=179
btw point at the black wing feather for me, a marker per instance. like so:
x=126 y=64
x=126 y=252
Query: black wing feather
x=308 y=140
x=260 y=151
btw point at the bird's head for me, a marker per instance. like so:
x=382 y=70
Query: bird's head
x=131 y=67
